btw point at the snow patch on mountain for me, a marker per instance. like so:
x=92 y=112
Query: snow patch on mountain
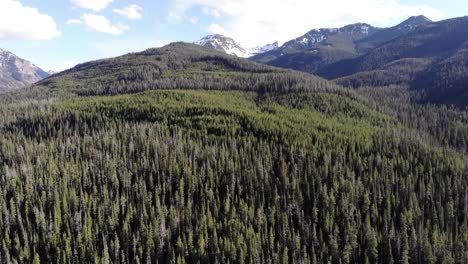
x=320 y=35
x=413 y=22
x=365 y=30
x=263 y=49
x=230 y=46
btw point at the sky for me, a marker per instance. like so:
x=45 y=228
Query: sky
x=58 y=34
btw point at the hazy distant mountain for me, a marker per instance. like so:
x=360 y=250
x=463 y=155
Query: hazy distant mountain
x=321 y=47
x=16 y=72
x=230 y=46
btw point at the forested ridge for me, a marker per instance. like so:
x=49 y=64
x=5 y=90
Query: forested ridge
x=179 y=66
x=265 y=166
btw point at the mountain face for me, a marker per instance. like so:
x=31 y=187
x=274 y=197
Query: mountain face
x=432 y=58
x=321 y=47
x=231 y=47
x=16 y=72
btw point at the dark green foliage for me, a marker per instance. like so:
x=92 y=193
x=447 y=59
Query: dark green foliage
x=200 y=176
x=258 y=165
x=400 y=72
x=446 y=81
x=312 y=59
x=439 y=124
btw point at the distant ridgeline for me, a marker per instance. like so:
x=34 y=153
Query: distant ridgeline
x=319 y=48
x=429 y=57
x=184 y=154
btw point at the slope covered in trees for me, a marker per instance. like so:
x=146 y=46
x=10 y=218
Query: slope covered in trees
x=244 y=169
x=178 y=66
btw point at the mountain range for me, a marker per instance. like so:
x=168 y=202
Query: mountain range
x=16 y=72
x=321 y=47
x=428 y=57
x=324 y=52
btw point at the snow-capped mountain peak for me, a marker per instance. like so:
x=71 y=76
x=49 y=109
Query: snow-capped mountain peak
x=230 y=46
x=223 y=43
x=263 y=49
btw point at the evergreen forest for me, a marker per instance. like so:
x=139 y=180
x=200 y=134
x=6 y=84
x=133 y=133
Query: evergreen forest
x=186 y=155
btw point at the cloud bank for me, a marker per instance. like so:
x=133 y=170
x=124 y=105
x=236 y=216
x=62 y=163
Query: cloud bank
x=133 y=12
x=19 y=22
x=102 y=24
x=95 y=5
x=253 y=22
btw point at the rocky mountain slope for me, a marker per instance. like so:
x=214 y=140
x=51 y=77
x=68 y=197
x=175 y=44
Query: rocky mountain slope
x=16 y=72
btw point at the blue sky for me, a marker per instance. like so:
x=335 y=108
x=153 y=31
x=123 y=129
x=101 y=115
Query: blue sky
x=57 y=34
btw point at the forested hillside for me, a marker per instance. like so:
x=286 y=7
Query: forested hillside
x=186 y=155
x=178 y=66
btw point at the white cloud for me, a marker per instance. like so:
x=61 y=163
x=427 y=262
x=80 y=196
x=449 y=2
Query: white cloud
x=25 y=23
x=59 y=67
x=133 y=12
x=119 y=47
x=193 y=20
x=255 y=22
x=74 y=22
x=95 y=5
x=102 y=24
x=211 y=11
x=217 y=29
